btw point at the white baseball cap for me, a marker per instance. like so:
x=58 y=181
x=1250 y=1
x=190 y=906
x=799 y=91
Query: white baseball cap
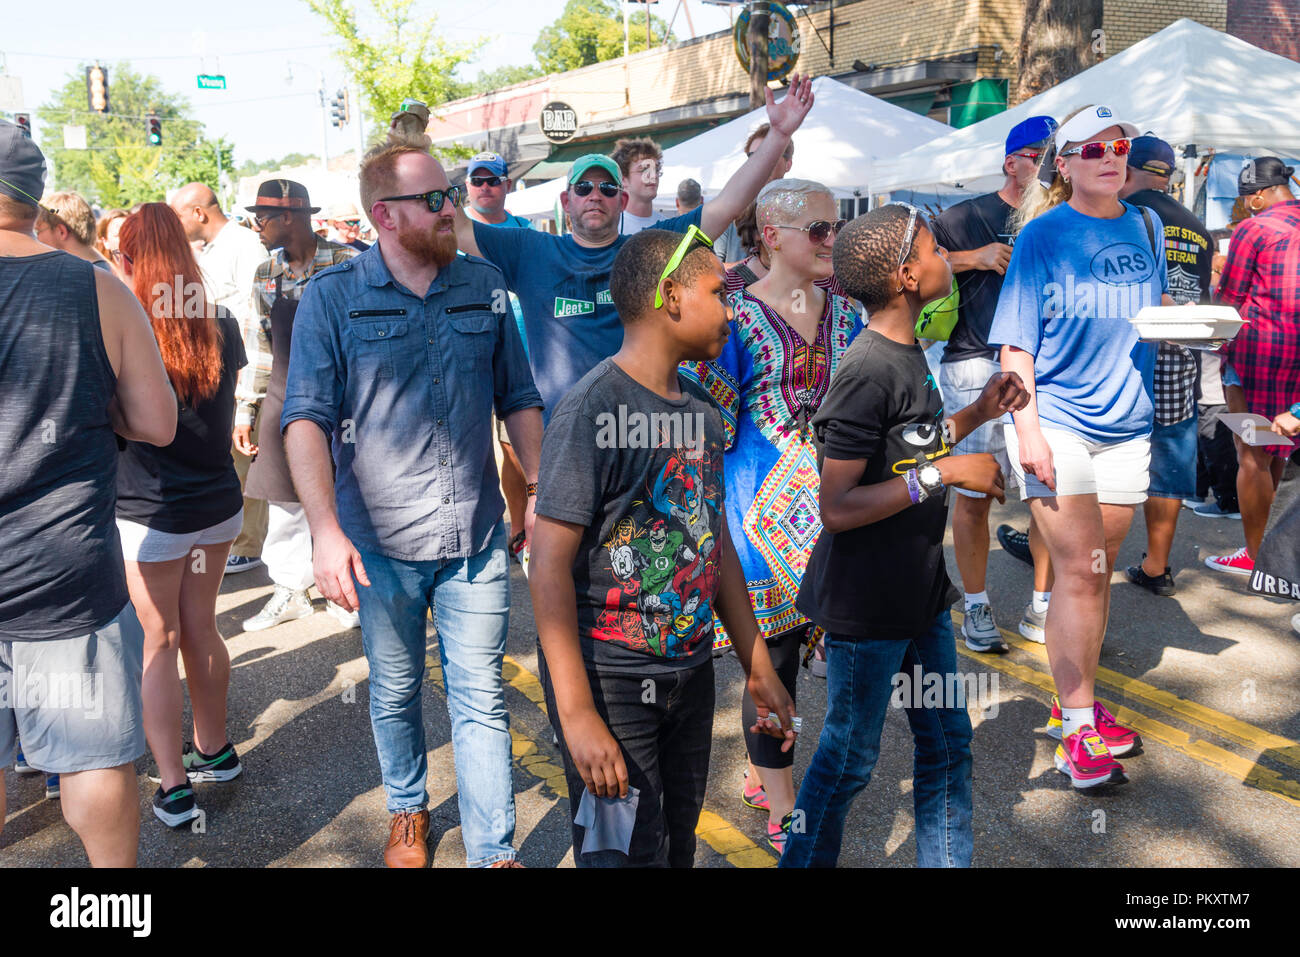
x=1088 y=124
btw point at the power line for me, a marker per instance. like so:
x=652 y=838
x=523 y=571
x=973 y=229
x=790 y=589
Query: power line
x=172 y=56
x=131 y=116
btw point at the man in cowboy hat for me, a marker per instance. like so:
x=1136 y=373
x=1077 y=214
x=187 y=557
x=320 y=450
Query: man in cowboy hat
x=282 y=218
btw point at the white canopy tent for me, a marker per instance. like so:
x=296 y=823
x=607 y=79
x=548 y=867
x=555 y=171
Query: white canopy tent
x=1188 y=84
x=843 y=133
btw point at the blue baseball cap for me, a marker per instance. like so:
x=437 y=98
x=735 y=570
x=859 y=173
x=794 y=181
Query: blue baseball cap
x=1152 y=154
x=492 y=162
x=1035 y=131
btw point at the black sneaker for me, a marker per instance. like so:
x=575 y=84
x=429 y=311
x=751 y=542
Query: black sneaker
x=176 y=806
x=1015 y=544
x=222 y=766
x=1162 y=585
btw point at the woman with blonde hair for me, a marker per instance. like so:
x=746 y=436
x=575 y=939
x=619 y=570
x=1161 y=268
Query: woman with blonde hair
x=1083 y=264
x=178 y=510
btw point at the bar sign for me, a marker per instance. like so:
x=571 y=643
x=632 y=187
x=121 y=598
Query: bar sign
x=211 y=81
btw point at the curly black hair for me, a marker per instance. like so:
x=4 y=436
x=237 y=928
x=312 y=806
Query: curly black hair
x=639 y=264
x=866 y=251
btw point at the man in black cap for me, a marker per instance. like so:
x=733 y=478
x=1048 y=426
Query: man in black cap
x=282 y=217
x=1188 y=255
x=79 y=363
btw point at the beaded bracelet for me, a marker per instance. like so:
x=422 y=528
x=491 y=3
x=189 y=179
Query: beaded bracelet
x=530 y=489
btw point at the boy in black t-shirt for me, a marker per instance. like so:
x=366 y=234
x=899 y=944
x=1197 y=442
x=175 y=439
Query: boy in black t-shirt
x=876 y=580
x=630 y=519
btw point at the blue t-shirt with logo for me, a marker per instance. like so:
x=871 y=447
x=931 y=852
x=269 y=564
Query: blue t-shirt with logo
x=1072 y=285
x=564 y=288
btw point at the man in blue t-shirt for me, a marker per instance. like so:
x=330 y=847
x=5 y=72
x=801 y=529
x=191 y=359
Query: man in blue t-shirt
x=563 y=281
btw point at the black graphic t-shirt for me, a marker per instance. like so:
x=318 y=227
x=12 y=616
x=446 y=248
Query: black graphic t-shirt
x=886 y=580
x=643 y=475
x=966 y=226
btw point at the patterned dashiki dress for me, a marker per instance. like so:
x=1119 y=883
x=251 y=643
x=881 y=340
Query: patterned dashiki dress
x=768 y=383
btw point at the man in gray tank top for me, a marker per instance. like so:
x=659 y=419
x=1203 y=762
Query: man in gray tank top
x=78 y=363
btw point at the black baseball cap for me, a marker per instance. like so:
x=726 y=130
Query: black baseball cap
x=282 y=195
x=1262 y=173
x=22 y=165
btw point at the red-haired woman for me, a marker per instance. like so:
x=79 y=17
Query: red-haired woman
x=178 y=510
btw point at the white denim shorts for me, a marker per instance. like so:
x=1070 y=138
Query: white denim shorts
x=1118 y=473
x=143 y=544
x=961 y=383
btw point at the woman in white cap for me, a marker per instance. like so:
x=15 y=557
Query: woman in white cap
x=1084 y=263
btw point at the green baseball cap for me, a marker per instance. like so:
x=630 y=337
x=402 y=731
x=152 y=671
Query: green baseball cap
x=595 y=161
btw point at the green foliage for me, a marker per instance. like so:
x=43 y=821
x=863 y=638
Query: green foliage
x=590 y=31
x=252 y=167
x=491 y=80
x=404 y=58
x=119 y=168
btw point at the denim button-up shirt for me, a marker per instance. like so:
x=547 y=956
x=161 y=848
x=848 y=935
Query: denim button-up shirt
x=405 y=388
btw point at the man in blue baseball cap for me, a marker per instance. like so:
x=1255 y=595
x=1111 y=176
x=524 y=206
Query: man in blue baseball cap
x=488 y=185
x=1189 y=255
x=978 y=236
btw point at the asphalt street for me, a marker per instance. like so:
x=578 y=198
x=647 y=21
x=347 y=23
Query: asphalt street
x=1210 y=677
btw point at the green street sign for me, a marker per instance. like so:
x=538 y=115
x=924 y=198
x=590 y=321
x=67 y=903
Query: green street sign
x=211 y=82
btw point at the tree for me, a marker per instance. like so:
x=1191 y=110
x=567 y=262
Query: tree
x=489 y=81
x=402 y=59
x=1058 y=39
x=590 y=31
x=250 y=167
x=119 y=167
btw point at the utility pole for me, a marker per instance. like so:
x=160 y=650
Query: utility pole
x=324 y=126
x=759 y=21
x=627 y=49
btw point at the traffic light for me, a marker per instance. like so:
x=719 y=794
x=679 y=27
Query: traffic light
x=24 y=122
x=339 y=109
x=155 y=130
x=97 y=89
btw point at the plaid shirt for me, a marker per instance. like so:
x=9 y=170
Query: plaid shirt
x=250 y=387
x=1262 y=279
x=1175 y=384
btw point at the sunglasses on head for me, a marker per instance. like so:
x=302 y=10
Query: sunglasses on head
x=818 y=231
x=1096 y=150
x=584 y=187
x=485 y=181
x=434 y=198
x=694 y=237
x=909 y=235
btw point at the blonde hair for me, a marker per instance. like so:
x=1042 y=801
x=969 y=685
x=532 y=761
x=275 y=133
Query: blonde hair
x=72 y=211
x=378 y=172
x=1038 y=199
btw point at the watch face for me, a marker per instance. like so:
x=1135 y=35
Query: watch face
x=930 y=475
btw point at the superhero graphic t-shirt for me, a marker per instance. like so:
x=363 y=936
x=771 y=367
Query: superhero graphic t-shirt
x=887 y=579
x=643 y=475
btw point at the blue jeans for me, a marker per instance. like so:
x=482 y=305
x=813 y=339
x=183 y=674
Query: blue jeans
x=471 y=602
x=859 y=683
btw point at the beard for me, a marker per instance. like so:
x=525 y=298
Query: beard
x=428 y=245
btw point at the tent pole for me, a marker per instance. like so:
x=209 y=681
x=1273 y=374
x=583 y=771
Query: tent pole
x=1189 y=176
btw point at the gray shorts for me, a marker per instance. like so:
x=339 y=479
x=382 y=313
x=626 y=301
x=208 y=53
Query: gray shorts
x=74 y=703
x=961 y=383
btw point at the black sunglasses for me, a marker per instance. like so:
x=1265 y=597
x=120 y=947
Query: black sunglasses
x=485 y=180
x=434 y=197
x=584 y=188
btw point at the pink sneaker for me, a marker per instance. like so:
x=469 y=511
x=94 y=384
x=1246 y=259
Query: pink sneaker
x=1238 y=563
x=1088 y=762
x=777 y=833
x=1119 y=739
x=757 y=798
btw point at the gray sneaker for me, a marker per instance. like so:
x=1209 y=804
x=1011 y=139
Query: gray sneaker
x=285 y=605
x=1032 y=624
x=980 y=631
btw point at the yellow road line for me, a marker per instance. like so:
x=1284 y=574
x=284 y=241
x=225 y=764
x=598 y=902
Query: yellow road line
x=735 y=847
x=1233 y=765
x=1283 y=750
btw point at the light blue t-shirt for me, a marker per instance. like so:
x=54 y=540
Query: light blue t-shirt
x=516 y=222
x=1072 y=285
x=564 y=289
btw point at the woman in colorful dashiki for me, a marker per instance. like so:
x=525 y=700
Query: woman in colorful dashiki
x=787 y=337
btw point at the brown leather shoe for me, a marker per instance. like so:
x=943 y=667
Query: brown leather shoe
x=408 y=840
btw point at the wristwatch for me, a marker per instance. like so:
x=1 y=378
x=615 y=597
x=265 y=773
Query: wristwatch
x=931 y=480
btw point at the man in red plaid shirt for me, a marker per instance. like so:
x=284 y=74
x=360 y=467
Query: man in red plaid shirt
x=1262 y=279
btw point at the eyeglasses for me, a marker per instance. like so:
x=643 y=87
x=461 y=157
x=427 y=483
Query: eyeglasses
x=434 y=198
x=694 y=237
x=1093 y=151
x=478 y=181
x=910 y=234
x=818 y=231
x=1029 y=154
x=584 y=187
x=259 y=220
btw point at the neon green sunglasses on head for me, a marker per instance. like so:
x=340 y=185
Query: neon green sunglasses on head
x=694 y=237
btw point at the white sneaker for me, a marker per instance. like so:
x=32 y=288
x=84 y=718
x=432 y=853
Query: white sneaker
x=348 y=619
x=284 y=605
x=1295 y=623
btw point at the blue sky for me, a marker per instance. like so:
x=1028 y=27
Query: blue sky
x=262 y=111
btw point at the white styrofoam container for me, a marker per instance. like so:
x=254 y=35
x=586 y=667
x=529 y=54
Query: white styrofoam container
x=1193 y=326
